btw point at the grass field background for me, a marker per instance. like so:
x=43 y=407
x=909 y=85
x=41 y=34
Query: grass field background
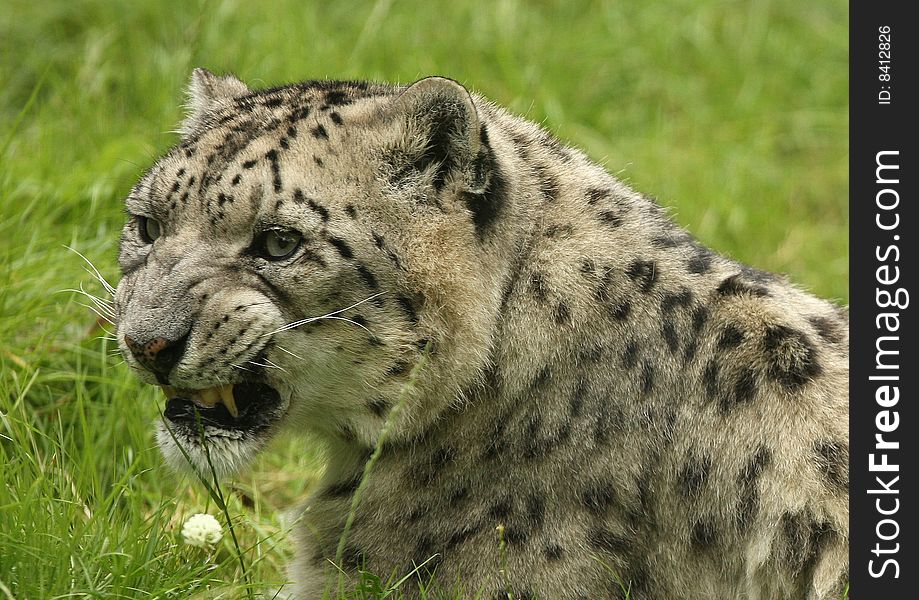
x=734 y=114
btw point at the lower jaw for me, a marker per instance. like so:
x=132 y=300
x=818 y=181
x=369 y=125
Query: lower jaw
x=257 y=405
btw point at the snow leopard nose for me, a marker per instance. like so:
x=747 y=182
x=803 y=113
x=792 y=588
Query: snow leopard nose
x=159 y=355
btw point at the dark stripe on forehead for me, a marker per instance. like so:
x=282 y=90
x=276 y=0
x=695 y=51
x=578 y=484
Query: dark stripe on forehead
x=342 y=246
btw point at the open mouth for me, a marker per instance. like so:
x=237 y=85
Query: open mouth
x=241 y=406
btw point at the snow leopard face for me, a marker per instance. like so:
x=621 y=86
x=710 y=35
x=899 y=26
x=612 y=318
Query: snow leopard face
x=278 y=261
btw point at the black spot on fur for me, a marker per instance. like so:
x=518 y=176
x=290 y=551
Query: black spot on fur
x=462 y=535
x=299 y=113
x=399 y=368
x=827 y=329
x=576 y=401
x=249 y=164
x=630 y=356
x=336 y=118
x=757 y=276
x=609 y=419
x=735 y=286
x=562 y=313
x=500 y=509
x=607 y=286
x=647 y=377
x=644 y=273
x=538 y=286
x=319 y=209
x=175 y=188
x=535 y=511
x=604 y=540
x=368 y=277
x=548 y=185
x=792 y=357
x=744 y=390
x=536 y=444
x=610 y=218
x=236 y=179
x=337 y=98
x=710 y=379
x=671 y=301
x=351 y=211
x=731 y=337
x=408 y=307
x=274 y=102
x=594 y=195
x=554 y=552
x=748 y=501
x=319 y=132
x=516 y=535
x=699 y=318
x=701 y=262
x=833 y=462
x=317 y=160
x=618 y=308
x=342 y=246
x=272 y=156
x=704 y=537
x=598 y=497
x=668 y=331
x=805 y=538
x=754 y=468
x=693 y=476
x=621 y=310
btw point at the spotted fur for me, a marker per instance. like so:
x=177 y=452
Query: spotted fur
x=562 y=366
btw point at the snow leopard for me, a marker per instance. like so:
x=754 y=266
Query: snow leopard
x=565 y=395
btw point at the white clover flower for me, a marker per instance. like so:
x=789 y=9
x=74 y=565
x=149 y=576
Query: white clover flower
x=202 y=530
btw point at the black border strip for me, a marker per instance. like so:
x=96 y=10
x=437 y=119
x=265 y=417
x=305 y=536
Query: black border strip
x=883 y=106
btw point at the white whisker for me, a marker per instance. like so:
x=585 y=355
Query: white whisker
x=283 y=370
x=285 y=350
x=330 y=315
x=271 y=366
x=95 y=272
x=101 y=316
x=349 y=321
x=100 y=303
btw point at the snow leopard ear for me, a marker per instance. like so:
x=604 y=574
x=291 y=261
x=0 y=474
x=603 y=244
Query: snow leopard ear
x=440 y=127
x=207 y=92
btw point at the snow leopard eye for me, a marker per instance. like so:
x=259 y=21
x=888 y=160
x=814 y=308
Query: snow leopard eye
x=278 y=244
x=149 y=229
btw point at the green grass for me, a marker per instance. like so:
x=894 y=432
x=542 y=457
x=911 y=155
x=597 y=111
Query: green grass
x=732 y=113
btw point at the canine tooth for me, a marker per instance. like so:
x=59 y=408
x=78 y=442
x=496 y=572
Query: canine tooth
x=226 y=395
x=209 y=397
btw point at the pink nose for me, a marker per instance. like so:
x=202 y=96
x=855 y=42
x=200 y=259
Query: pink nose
x=159 y=355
